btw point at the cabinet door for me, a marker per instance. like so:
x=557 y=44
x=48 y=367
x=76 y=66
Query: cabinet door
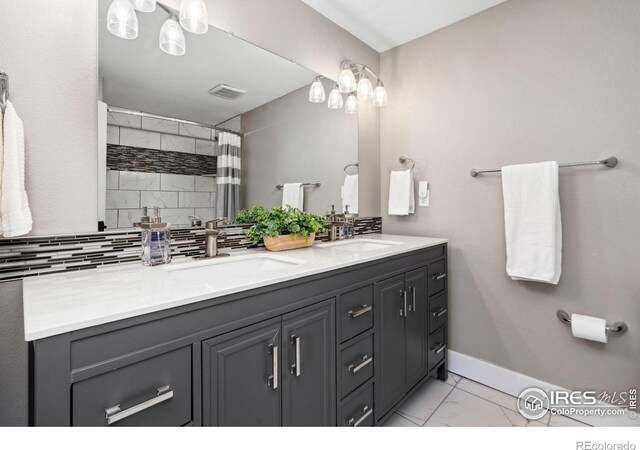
x=241 y=377
x=309 y=374
x=416 y=334
x=390 y=349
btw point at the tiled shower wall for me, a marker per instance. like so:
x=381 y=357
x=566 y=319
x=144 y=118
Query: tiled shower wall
x=178 y=195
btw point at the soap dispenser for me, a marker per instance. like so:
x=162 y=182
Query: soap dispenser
x=349 y=220
x=156 y=241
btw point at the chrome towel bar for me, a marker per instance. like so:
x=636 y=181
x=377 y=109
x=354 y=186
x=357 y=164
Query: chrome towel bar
x=617 y=327
x=317 y=184
x=610 y=162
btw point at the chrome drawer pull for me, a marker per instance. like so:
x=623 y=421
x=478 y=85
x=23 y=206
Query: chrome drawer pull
x=273 y=379
x=295 y=367
x=365 y=309
x=438 y=348
x=367 y=412
x=438 y=276
x=413 y=293
x=115 y=414
x=440 y=312
x=366 y=360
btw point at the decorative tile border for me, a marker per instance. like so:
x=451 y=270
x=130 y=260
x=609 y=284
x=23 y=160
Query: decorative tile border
x=138 y=159
x=41 y=255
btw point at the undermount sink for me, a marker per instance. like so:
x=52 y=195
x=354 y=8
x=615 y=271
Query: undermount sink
x=239 y=267
x=360 y=245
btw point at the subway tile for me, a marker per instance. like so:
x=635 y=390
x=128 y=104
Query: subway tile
x=113 y=134
x=178 y=143
x=144 y=181
x=111 y=218
x=172 y=182
x=194 y=200
x=160 y=125
x=139 y=138
x=112 y=179
x=123 y=120
x=205 y=184
x=122 y=199
x=127 y=217
x=159 y=198
x=195 y=131
x=177 y=217
x=205 y=147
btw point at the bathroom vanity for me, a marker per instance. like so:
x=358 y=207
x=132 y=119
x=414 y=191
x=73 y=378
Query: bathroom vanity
x=337 y=334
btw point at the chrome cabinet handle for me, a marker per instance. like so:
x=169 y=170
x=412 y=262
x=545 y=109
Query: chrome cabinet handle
x=295 y=367
x=438 y=276
x=115 y=414
x=366 y=360
x=367 y=412
x=273 y=378
x=403 y=310
x=440 y=312
x=413 y=293
x=365 y=309
x=439 y=348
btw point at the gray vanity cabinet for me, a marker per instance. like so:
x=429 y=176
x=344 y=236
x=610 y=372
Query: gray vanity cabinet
x=278 y=372
x=401 y=337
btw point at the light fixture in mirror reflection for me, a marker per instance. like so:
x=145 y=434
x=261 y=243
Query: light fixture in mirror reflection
x=353 y=81
x=167 y=123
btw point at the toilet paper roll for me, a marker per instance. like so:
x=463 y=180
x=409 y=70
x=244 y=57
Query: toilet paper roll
x=587 y=327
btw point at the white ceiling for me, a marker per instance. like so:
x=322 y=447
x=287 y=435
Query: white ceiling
x=384 y=24
x=138 y=75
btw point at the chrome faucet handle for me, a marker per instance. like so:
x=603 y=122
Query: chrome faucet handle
x=213 y=224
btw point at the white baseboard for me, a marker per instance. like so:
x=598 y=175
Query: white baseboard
x=513 y=383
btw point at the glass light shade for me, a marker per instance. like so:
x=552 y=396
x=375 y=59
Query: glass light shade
x=193 y=16
x=171 y=39
x=364 y=90
x=347 y=81
x=316 y=93
x=144 y=5
x=122 y=20
x=380 y=95
x=335 y=98
x=351 y=105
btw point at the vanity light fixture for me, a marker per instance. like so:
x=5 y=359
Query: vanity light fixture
x=144 y=5
x=171 y=38
x=316 y=93
x=347 y=80
x=122 y=20
x=351 y=105
x=380 y=95
x=364 y=89
x=194 y=17
x=335 y=98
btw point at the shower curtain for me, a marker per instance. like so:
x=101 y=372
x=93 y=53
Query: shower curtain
x=228 y=176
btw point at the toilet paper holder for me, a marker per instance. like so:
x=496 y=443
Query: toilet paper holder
x=617 y=327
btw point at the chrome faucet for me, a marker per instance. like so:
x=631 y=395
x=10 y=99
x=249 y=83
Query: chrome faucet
x=212 y=233
x=195 y=221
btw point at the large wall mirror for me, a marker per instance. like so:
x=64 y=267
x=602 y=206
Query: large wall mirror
x=180 y=132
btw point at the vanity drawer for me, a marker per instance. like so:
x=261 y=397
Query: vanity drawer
x=437 y=277
x=153 y=392
x=437 y=312
x=436 y=348
x=355 y=312
x=357 y=410
x=356 y=365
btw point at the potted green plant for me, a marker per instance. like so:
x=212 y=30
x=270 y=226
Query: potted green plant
x=281 y=228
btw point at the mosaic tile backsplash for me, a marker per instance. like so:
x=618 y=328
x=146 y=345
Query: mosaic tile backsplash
x=41 y=255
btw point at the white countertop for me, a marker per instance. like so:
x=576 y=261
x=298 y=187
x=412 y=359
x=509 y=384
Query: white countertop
x=55 y=304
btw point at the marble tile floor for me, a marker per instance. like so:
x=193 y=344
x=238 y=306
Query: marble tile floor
x=460 y=402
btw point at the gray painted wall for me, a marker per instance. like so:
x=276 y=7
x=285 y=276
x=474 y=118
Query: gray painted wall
x=13 y=361
x=292 y=140
x=528 y=81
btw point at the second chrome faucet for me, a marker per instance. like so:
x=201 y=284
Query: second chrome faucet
x=212 y=233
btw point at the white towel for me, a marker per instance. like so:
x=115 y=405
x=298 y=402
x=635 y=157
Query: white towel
x=293 y=195
x=401 y=193
x=14 y=205
x=350 y=193
x=533 y=226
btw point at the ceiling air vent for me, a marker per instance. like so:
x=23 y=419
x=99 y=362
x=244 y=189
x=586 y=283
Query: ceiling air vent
x=227 y=92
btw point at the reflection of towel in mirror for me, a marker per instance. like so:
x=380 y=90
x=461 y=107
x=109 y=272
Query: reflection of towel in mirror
x=401 y=193
x=350 y=193
x=293 y=195
x=14 y=205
